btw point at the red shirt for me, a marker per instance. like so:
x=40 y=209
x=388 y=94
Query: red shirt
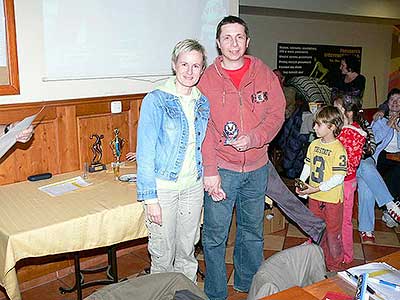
x=353 y=138
x=237 y=75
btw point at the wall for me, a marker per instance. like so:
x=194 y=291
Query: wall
x=364 y=8
x=375 y=40
x=29 y=27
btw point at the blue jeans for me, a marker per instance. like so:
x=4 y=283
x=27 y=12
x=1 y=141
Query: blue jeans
x=246 y=192
x=371 y=189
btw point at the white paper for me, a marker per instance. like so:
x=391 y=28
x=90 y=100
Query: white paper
x=65 y=186
x=392 y=275
x=10 y=138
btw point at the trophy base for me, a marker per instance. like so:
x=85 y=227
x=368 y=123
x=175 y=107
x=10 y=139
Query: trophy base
x=97 y=167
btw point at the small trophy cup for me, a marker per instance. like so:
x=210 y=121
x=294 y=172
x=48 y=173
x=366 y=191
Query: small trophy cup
x=116 y=146
x=231 y=132
x=97 y=150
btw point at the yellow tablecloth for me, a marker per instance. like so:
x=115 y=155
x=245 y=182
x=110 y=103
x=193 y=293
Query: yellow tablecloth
x=34 y=224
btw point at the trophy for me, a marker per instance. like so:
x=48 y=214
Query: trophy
x=231 y=132
x=116 y=146
x=97 y=150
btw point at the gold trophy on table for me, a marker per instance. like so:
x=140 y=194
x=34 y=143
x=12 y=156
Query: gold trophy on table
x=116 y=146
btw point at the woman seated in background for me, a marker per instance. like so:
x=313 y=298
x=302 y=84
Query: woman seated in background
x=372 y=188
x=351 y=81
x=172 y=125
x=387 y=137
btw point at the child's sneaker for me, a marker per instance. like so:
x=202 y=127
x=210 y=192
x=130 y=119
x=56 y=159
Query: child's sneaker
x=389 y=220
x=394 y=211
x=367 y=237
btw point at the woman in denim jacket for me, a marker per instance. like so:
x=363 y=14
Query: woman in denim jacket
x=172 y=124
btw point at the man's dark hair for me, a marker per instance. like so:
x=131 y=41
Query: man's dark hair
x=352 y=62
x=392 y=92
x=231 y=20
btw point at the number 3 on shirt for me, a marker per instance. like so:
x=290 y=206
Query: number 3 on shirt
x=319 y=163
x=318 y=174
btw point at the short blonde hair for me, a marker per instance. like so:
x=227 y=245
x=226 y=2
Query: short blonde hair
x=188 y=45
x=330 y=115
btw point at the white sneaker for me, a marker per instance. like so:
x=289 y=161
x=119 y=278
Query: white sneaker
x=389 y=220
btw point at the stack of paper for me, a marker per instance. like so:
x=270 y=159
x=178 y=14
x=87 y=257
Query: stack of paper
x=381 y=275
x=65 y=186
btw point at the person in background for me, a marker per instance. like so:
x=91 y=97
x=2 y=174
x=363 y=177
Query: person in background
x=326 y=166
x=289 y=92
x=23 y=137
x=246 y=112
x=387 y=136
x=352 y=137
x=172 y=125
x=351 y=81
x=372 y=189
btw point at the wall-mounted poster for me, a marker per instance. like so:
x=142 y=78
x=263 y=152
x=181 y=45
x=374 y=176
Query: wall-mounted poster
x=319 y=61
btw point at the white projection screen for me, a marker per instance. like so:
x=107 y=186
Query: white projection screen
x=123 y=38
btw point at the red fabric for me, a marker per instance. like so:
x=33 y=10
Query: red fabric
x=331 y=243
x=260 y=120
x=350 y=187
x=237 y=75
x=353 y=141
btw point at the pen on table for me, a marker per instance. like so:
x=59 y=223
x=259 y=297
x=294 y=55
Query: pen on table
x=384 y=282
x=369 y=289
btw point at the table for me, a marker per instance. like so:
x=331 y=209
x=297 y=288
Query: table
x=335 y=284
x=34 y=224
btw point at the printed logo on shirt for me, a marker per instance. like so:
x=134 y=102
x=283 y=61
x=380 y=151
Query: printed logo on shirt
x=259 y=97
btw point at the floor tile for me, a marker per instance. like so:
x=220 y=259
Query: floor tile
x=358 y=251
x=272 y=242
x=293 y=241
x=386 y=239
x=372 y=252
x=294 y=232
x=269 y=253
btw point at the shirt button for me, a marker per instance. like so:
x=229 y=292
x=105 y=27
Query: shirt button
x=198 y=148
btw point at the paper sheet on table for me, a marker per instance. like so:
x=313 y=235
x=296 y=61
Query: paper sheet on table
x=10 y=138
x=65 y=186
x=378 y=270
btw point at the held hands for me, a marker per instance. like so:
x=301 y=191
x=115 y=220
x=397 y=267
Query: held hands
x=393 y=121
x=154 y=213
x=212 y=185
x=25 y=135
x=242 y=143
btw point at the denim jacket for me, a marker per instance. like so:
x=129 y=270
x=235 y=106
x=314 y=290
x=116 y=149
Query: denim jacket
x=383 y=135
x=163 y=138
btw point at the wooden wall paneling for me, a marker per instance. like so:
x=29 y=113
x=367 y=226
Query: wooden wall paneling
x=66 y=139
x=33 y=157
x=133 y=123
x=61 y=141
x=101 y=124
